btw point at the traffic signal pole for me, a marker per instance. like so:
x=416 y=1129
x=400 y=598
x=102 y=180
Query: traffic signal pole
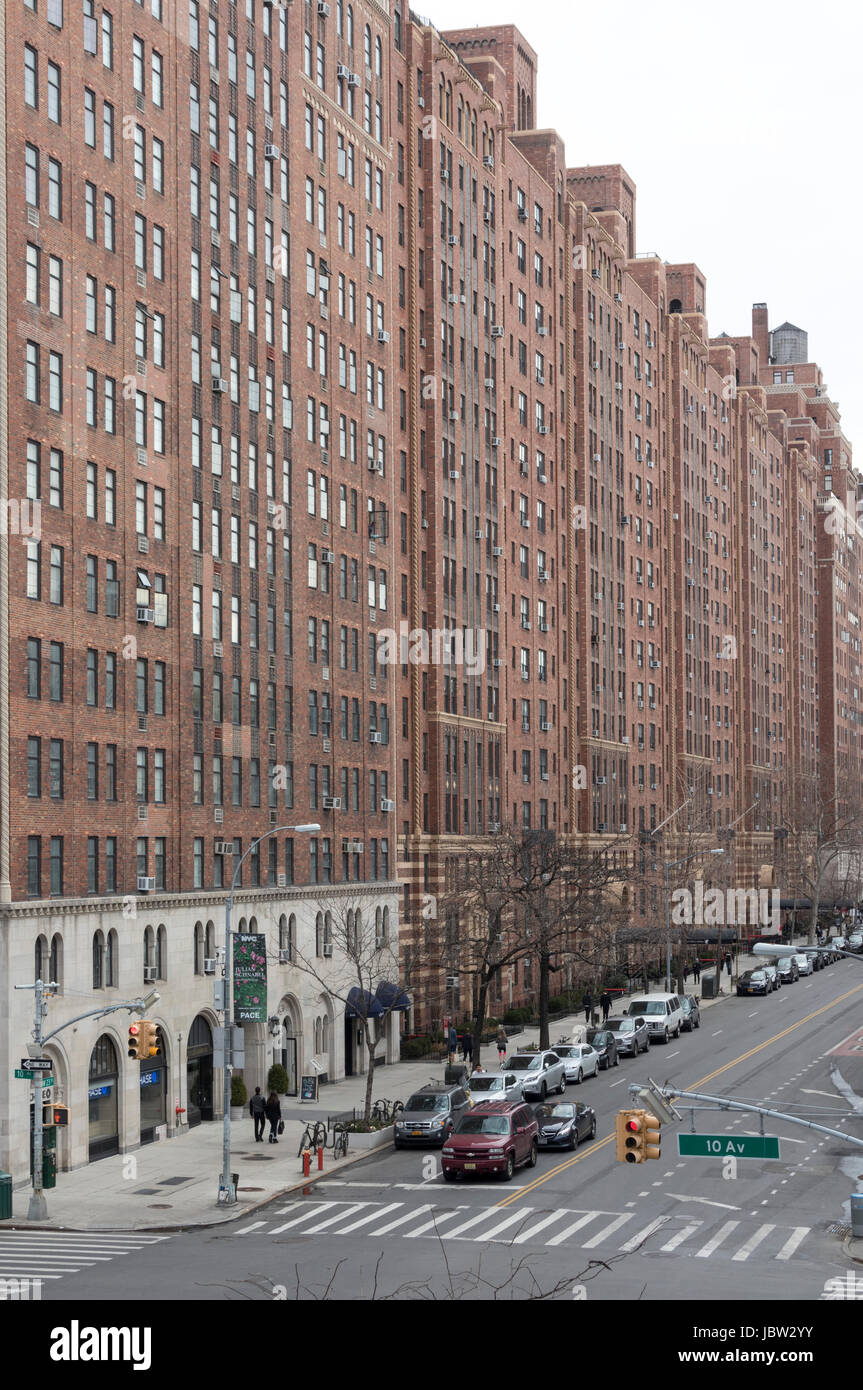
x=722 y=1103
x=38 y=1207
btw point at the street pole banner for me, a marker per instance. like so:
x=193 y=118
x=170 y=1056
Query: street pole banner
x=250 y=978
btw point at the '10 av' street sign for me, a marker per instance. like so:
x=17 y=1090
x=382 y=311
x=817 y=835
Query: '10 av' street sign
x=727 y=1146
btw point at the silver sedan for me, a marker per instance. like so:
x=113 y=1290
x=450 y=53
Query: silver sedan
x=579 y=1060
x=631 y=1035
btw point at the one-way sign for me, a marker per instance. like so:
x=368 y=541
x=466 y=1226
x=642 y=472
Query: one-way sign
x=37 y=1064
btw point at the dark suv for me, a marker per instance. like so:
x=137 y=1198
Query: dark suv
x=494 y=1137
x=430 y=1115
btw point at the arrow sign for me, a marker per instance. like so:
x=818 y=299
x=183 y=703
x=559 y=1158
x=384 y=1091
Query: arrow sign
x=727 y=1146
x=37 y=1064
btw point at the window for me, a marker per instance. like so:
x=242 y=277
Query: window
x=54 y=94
x=31 y=76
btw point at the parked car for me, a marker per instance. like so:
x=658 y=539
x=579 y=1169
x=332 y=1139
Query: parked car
x=805 y=963
x=604 y=1045
x=430 y=1115
x=495 y=1137
x=565 y=1124
x=494 y=1085
x=772 y=970
x=788 y=969
x=855 y=942
x=691 y=1012
x=579 y=1060
x=631 y=1035
x=538 y=1072
x=662 y=1012
x=754 y=982
x=838 y=943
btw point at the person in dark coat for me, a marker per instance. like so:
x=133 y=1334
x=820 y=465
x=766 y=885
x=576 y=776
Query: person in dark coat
x=696 y=970
x=605 y=1005
x=452 y=1044
x=587 y=1005
x=502 y=1044
x=257 y=1110
x=728 y=961
x=273 y=1112
x=467 y=1047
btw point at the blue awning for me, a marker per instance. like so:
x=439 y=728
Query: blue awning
x=363 y=1004
x=392 y=997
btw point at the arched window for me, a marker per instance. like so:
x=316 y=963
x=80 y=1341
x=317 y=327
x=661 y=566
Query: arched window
x=253 y=924
x=149 y=954
x=40 y=961
x=386 y=924
x=675 y=307
x=55 y=964
x=319 y=934
x=460 y=117
x=241 y=926
x=162 y=953
x=98 y=960
x=328 y=934
x=440 y=98
x=292 y=935
x=379 y=57
x=112 y=960
x=325 y=1034
x=283 y=938
x=317 y=1035
x=379 y=923
x=209 y=941
x=198 y=947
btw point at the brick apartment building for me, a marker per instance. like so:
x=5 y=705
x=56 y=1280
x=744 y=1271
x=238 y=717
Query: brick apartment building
x=389 y=368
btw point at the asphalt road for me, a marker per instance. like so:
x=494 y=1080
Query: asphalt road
x=578 y=1226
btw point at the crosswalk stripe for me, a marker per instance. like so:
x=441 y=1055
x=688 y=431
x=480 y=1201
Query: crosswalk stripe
x=538 y=1226
x=716 y=1241
x=648 y=1231
x=510 y=1220
x=474 y=1221
x=576 y=1226
x=380 y=1211
x=305 y=1216
x=435 y=1222
x=331 y=1220
x=400 y=1220
x=244 y=1230
x=754 y=1240
x=791 y=1244
x=608 y=1230
x=680 y=1236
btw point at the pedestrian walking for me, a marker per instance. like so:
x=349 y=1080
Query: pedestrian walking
x=605 y=1005
x=587 y=1004
x=257 y=1110
x=273 y=1112
x=685 y=969
x=501 y=1041
x=452 y=1043
x=728 y=961
x=467 y=1048
x=696 y=970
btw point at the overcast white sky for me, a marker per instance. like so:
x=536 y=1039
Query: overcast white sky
x=740 y=124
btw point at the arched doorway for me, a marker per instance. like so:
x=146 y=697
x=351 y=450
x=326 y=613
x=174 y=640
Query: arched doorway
x=154 y=1091
x=288 y=1050
x=104 y=1138
x=199 y=1072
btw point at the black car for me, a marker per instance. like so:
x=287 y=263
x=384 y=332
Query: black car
x=754 y=982
x=691 y=1012
x=563 y=1125
x=605 y=1044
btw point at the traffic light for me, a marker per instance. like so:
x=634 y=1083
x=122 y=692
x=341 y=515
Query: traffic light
x=150 y=1042
x=637 y=1136
x=55 y=1115
x=136 y=1040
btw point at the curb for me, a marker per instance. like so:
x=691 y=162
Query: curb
x=854 y=1255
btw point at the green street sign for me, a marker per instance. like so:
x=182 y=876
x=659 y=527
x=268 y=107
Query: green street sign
x=727 y=1146
x=23 y=1075
x=40 y=1077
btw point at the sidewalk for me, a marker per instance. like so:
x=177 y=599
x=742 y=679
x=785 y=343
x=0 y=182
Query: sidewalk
x=175 y=1183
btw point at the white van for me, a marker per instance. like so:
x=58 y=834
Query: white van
x=661 y=1012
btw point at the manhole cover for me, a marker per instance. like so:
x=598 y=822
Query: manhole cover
x=251 y=1189
x=258 y=1158
x=159 y=1206
x=169 y=1182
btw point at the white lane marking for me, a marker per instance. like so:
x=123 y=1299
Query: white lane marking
x=331 y=1220
x=716 y=1241
x=648 y=1231
x=831 y=1095
x=364 y=1220
x=617 y=1083
x=306 y=1216
x=434 y=1223
x=675 y=1054
x=608 y=1230
x=678 y=1197
x=537 y=1227
x=244 y=1231
x=473 y=1221
x=502 y=1225
x=400 y=1220
x=752 y=1015
x=681 y=1236
x=343 y=1182
x=755 y=1240
x=576 y=1226
x=716 y=1034
x=791 y=1244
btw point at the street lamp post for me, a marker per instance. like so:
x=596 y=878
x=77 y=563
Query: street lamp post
x=676 y=864
x=227 y=1195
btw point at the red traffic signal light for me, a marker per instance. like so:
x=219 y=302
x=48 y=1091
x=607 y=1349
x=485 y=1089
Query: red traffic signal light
x=59 y=1115
x=135 y=1040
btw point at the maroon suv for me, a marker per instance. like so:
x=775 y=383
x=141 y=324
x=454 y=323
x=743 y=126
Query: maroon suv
x=493 y=1137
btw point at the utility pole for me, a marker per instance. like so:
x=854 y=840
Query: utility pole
x=672 y=1093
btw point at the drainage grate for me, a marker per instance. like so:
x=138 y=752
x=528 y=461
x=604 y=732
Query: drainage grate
x=171 y=1182
x=146 y=1192
x=838 y=1229
x=251 y=1189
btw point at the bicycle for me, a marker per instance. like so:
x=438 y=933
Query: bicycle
x=383 y=1110
x=314 y=1135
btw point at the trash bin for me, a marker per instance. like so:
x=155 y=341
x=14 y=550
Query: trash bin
x=709 y=987
x=5 y=1196
x=49 y=1169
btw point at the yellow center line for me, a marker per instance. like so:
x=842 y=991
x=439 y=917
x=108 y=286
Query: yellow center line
x=693 y=1086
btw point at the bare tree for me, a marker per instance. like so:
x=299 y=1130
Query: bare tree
x=823 y=844
x=355 y=963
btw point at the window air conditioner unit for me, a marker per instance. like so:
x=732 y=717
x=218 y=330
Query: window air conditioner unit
x=452 y=241
x=323 y=8
x=543 y=627
x=332 y=803
x=452 y=299
x=618 y=299
x=387 y=805
x=489 y=381
x=543 y=576
x=376 y=737
x=498 y=550
x=328 y=948
x=488 y=161
x=271 y=152
x=599 y=781
x=542 y=429
x=542 y=330
x=146 y=885
x=220 y=385
x=495 y=607
x=522 y=214
x=479 y=535
x=486 y=217
x=654 y=665
x=421 y=101
x=354 y=79
x=497 y=663
x=621 y=608
x=383 y=335
x=597 y=458
x=595 y=274
x=453 y=415
x=495 y=443
x=146 y=615
x=342 y=70
x=497 y=330
x=149 y=974
x=453 y=474
x=328 y=557
x=209 y=966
